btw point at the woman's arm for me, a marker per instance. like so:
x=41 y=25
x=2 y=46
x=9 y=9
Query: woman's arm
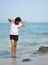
x=23 y=23
x=11 y=20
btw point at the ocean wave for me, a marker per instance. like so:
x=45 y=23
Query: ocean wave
x=5 y=54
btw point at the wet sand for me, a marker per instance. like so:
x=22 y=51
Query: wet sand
x=40 y=60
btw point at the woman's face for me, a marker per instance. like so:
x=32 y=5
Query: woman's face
x=17 y=22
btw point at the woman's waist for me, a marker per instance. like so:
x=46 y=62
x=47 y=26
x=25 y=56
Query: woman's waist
x=13 y=33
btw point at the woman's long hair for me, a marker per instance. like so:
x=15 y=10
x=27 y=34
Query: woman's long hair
x=17 y=20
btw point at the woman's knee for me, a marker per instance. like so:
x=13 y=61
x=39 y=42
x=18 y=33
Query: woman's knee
x=14 y=45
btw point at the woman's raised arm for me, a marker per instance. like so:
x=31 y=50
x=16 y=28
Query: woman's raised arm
x=23 y=23
x=10 y=19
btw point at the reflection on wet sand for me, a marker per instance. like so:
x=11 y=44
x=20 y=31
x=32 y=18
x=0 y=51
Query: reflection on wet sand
x=13 y=61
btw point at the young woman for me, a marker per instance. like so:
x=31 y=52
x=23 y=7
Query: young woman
x=14 y=33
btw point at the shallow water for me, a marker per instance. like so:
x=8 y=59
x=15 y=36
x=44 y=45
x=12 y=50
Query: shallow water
x=31 y=38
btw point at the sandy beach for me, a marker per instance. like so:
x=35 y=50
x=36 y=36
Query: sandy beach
x=41 y=60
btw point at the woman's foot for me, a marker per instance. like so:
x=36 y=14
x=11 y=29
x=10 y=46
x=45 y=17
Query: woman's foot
x=13 y=56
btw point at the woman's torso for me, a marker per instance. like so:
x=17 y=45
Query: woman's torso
x=14 y=29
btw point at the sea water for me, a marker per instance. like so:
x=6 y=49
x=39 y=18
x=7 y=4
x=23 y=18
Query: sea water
x=31 y=37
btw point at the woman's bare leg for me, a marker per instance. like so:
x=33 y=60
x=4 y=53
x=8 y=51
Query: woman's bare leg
x=12 y=43
x=13 y=48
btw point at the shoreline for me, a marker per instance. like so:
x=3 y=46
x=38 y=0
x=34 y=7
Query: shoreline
x=40 y=60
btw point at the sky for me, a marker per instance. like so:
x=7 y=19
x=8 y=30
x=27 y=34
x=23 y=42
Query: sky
x=29 y=10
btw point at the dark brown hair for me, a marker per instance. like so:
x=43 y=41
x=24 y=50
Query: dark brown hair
x=17 y=20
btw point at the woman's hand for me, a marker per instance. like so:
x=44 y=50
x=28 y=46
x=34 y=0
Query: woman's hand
x=10 y=19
